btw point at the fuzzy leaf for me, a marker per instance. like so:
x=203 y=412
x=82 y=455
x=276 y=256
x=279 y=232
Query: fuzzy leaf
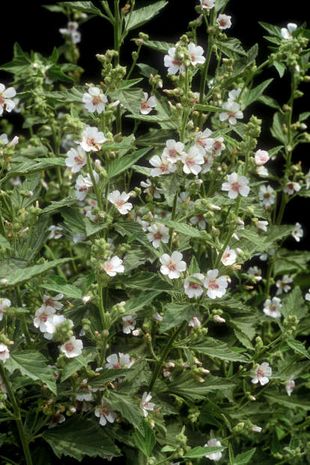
x=198 y=452
x=294 y=304
x=141 y=16
x=244 y=458
x=298 y=347
x=116 y=167
x=58 y=286
x=20 y=275
x=125 y=406
x=145 y=440
x=218 y=349
x=175 y=314
x=254 y=94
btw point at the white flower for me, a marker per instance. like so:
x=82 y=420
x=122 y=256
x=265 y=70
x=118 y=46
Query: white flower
x=76 y=159
x=289 y=387
x=216 y=285
x=55 y=232
x=72 y=348
x=287 y=32
x=272 y=307
x=192 y=161
x=256 y=429
x=43 y=318
x=267 y=196
x=94 y=100
x=6 y=102
x=145 y=404
x=4 y=352
x=283 y=284
x=217 y=146
x=236 y=185
x=158 y=233
x=261 y=157
x=147 y=104
x=71 y=32
x=207 y=162
x=232 y=112
x=193 y=285
x=119 y=200
x=113 y=266
x=198 y=220
x=117 y=361
x=223 y=21
x=292 y=187
x=85 y=392
x=4 y=304
x=219 y=319
x=161 y=166
x=261 y=374
x=172 y=266
x=171 y=62
x=50 y=302
x=196 y=54
x=52 y=324
x=194 y=322
x=262 y=225
x=105 y=414
x=233 y=95
x=297 y=232
x=150 y=189
x=229 y=257
x=262 y=171
x=173 y=151
x=307 y=296
x=207 y=4
x=129 y=324
x=92 y=139
x=83 y=184
x=203 y=141
x=5 y=140
x=215 y=456
x=255 y=272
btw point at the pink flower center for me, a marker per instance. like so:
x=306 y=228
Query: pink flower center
x=69 y=347
x=92 y=142
x=79 y=160
x=213 y=284
x=2 y=100
x=157 y=236
x=96 y=100
x=235 y=186
x=145 y=105
x=172 y=266
x=173 y=153
x=260 y=373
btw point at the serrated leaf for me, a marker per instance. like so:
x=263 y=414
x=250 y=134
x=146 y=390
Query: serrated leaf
x=298 y=347
x=141 y=16
x=185 y=229
x=280 y=67
x=289 y=402
x=277 y=128
x=147 y=281
x=175 y=314
x=83 y=6
x=294 y=304
x=68 y=290
x=125 y=406
x=4 y=243
x=160 y=46
x=244 y=458
x=187 y=387
x=34 y=366
x=118 y=166
x=134 y=304
x=145 y=439
x=74 y=365
x=218 y=349
x=31 y=166
x=20 y=275
x=79 y=437
x=198 y=452
x=253 y=95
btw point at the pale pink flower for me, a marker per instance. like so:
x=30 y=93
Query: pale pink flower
x=55 y=232
x=83 y=185
x=4 y=304
x=194 y=322
x=118 y=361
x=105 y=414
x=193 y=285
x=172 y=266
x=92 y=139
x=71 y=31
x=4 y=352
x=289 y=387
x=72 y=348
x=129 y=324
x=262 y=225
x=198 y=220
x=119 y=200
x=76 y=159
x=297 y=232
x=196 y=54
x=216 y=285
x=173 y=150
x=158 y=233
x=4 y=140
x=284 y=284
x=217 y=146
x=229 y=257
x=261 y=374
x=192 y=161
x=50 y=302
x=236 y=185
x=223 y=21
x=272 y=307
x=292 y=187
x=287 y=32
x=145 y=404
x=85 y=392
x=147 y=104
x=113 y=266
x=215 y=456
x=255 y=272
x=53 y=322
x=203 y=141
x=161 y=166
x=207 y=4
x=261 y=157
x=173 y=63
x=256 y=429
x=43 y=317
x=150 y=189
x=267 y=196
x=6 y=96
x=94 y=100
x=208 y=160
x=233 y=95
x=231 y=112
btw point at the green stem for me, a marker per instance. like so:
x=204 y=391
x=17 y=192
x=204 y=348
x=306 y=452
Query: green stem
x=95 y=185
x=20 y=427
x=205 y=70
x=174 y=209
x=134 y=62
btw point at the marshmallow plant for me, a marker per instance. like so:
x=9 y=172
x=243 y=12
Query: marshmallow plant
x=153 y=308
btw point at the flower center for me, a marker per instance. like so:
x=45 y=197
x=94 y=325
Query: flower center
x=96 y=100
x=235 y=186
x=213 y=284
x=69 y=347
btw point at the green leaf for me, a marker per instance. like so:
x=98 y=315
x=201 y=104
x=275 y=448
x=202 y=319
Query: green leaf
x=145 y=440
x=74 y=365
x=54 y=206
x=244 y=458
x=280 y=67
x=146 y=70
x=158 y=45
x=298 y=347
x=33 y=365
x=118 y=166
x=175 y=314
x=198 y=452
x=31 y=166
x=289 y=402
x=143 y=299
x=273 y=30
x=141 y=16
x=294 y=304
x=231 y=47
x=253 y=95
x=277 y=128
x=147 y=281
x=125 y=406
x=80 y=437
x=185 y=386
x=84 y=7
x=20 y=275
x=218 y=349
x=269 y=101
x=57 y=285
x=4 y=243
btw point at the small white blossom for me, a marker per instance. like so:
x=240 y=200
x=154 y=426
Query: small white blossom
x=256 y=429
x=4 y=352
x=50 y=302
x=219 y=319
x=117 y=361
x=223 y=21
x=229 y=257
x=43 y=317
x=113 y=266
x=236 y=185
x=192 y=161
x=207 y=4
x=158 y=233
x=217 y=146
x=52 y=324
x=145 y=404
x=105 y=414
x=94 y=100
x=76 y=159
x=71 y=31
x=85 y=392
x=161 y=165
x=203 y=141
x=272 y=307
x=119 y=200
x=171 y=62
x=287 y=32
x=292 y=187
x=267 y=196
x=255 y=272
x=147 y=104
x=4 y=304
x=215 y=456
x=194 y=322
x=261 y=374
x=150 y=189
x=261 y=157
x=4 y=140
x=231 y=112
x=83 y=185
x=193 y=285
x=172 y=266
x=6 y=96
x=196 y=54
x=262 y=225
x=297 y=232
x=216 y=285
x=173 y=151
x=307 y=296
x=129 y=324
x=198 y=220
x=284 y=284
x=289 y=387
x=92 y=139
x=72 y=348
